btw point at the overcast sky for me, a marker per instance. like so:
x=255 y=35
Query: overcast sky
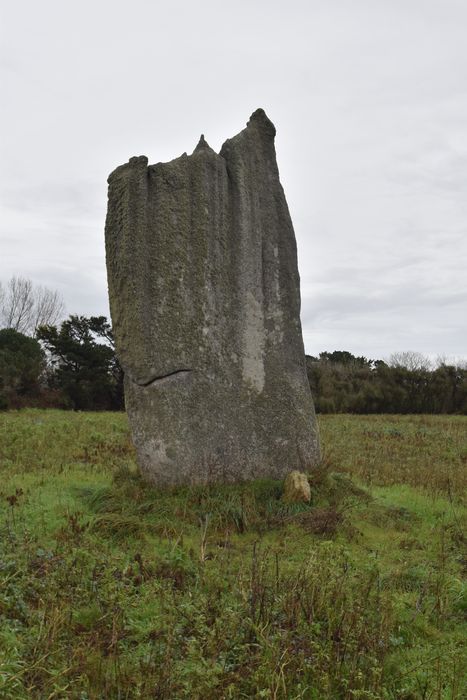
x=369 y=98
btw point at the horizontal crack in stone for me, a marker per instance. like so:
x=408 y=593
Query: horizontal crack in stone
x=163 y=378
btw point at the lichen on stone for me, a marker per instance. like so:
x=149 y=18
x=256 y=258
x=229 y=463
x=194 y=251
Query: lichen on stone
x=205 y=300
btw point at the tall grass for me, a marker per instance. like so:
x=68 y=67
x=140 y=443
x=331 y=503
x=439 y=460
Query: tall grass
x=427 y=452
x=110 y=589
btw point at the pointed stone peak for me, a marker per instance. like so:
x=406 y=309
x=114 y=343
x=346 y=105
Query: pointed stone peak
x=259 y=118
x=202 y=145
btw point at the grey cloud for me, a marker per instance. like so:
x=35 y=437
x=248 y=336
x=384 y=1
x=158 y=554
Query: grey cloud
x=60 y=198
x=370 y=104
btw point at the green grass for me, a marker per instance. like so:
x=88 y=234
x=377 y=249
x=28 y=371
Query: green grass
x=112 y=590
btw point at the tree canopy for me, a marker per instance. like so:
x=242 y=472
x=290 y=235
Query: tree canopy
x=83 y=362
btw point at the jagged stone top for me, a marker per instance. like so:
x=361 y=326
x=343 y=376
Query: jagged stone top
x=260 y=118
x=202 y=145
x=258 y=121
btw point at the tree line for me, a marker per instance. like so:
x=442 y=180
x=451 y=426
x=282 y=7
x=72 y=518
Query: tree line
x=72 y=366
x=406 y=383
x=46 y=361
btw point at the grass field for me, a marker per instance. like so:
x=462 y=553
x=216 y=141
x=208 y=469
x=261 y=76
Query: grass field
x=111 y=590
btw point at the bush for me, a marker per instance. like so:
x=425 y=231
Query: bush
x=22 y=363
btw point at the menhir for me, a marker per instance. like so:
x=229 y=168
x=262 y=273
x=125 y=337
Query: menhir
x=205 y=303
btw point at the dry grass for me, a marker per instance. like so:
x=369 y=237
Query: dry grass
x=428 y=452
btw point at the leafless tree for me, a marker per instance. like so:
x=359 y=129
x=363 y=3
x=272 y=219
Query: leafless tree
x=49 y=308
x=18 y=303
x=25 y=307
x=451 y=360
x=410 y=360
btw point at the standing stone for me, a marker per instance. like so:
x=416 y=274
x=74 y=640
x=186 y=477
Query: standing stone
x=205 y=303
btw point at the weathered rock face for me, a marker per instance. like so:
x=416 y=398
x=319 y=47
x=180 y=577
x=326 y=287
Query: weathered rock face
x=205 y=303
